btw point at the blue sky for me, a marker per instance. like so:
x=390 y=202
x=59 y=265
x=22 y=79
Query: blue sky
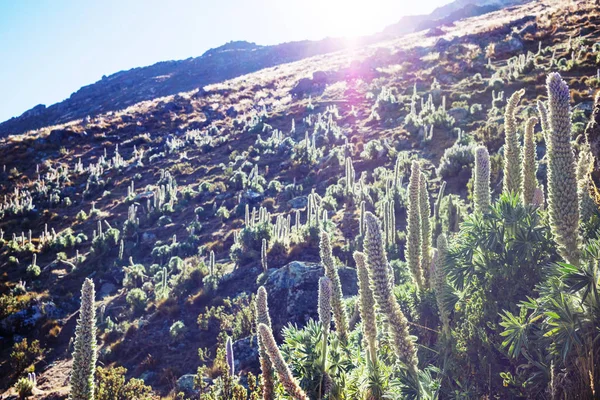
x=50 y=48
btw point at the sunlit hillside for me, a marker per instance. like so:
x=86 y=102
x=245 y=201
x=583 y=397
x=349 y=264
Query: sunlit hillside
x=402 y=217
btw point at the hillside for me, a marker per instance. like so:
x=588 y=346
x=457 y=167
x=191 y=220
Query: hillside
x=174 y=202
x=125 y=88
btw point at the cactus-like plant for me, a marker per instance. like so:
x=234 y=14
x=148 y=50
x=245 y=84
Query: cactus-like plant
x=24 y=387
x=481 y=192
x=367 y=306
x=263 y=256
x=389 y=223
x=361 y=222
x=425 y=216
x=543 y=113
x=84 y=355
x=339 y=312
x=512 y=148
x=437 y=222
x=412 y=252
x=563 y=200
x=397 y=323
x=529 y=181
x=350 y=179
x=262 y=317
x=283 y=371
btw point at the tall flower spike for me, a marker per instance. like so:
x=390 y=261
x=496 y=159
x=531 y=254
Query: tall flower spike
x=563 y=200
x=529 y=182
x=229 y=356
x=324 y=310
x=585 y=165
x=412 y=251
x=325 y=303
x=262 y=307
x=425 y=214
x=339 y=312
x=263 y=255
x=84 y=355
x=283 y=371
x=440 y=280
x=262 y=317
x=538 y=198
x=367 y=306
x=481 y=195
x=402 y=343
x=512 y=149
x=543 y=112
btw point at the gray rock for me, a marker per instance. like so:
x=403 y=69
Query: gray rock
x=320 y=78
x=148 y=376
x=303 y=86
x=253 y=197
x=186 y=383
x=231 y=112
x=29 y=318
x=35 y=111
x=106 y=289
x=531 y=28
x=170 y=106
x=224 y=196
x=144 y=196
x=586 y=106
x=298 y=202
x=58 y=136
x=508 y=47
x=148 y=237
x=245 y=353
x=295 y=286
x=459 y=113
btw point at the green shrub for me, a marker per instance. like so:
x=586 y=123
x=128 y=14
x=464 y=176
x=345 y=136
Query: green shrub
x=24 y=353
x=455 y=159
x=177 y=330
x=164 y=220
x=34 y=270
x=24 y=387
x=137 y=299
x=112 y=385
x=250 y=243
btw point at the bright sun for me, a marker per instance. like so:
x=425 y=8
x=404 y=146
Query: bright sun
x=362 y=17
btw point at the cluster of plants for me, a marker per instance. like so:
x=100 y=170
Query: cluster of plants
x=488 y=290
x=507 y=304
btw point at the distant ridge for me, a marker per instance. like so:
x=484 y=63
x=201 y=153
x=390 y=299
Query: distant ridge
x=236 y=58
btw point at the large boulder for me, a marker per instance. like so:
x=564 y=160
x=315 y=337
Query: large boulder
x=27 y=319
x=185 y=383
x=59 y=136
x=245 y=354
x=508 y=47
x=319 y=80
x=293 y=291
x=459 y=113
x=298 y=202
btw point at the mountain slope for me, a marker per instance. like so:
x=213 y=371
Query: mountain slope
x=124 y=88
x=150 y=201
x=447 y=14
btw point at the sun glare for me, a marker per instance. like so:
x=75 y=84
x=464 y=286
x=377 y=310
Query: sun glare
x=362 y=17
